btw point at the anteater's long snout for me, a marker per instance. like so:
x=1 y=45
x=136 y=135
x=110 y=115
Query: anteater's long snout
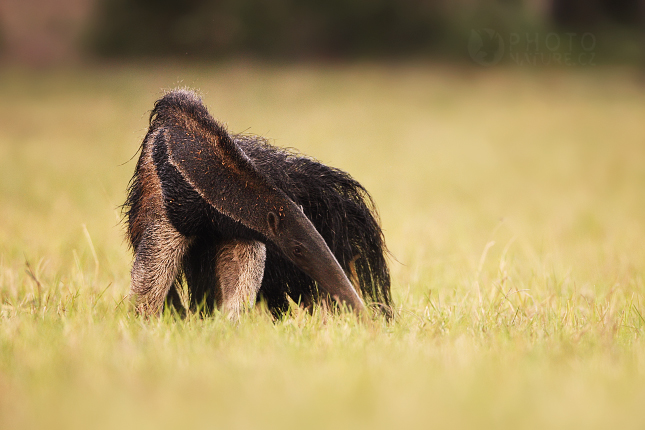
x=331 y=278
x=301 y=243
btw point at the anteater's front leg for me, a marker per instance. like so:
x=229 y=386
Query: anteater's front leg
x=156 y=264
x=239 y=267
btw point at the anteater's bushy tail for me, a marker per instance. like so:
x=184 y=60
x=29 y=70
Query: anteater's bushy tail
x=343 y=213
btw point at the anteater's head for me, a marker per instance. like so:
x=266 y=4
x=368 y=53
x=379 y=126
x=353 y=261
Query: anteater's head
x=297 y=238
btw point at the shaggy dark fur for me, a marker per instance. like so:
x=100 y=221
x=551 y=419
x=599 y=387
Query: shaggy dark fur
x=340 y=209
x=343 y=213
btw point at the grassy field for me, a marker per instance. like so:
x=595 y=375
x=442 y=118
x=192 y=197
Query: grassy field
x=512 y=201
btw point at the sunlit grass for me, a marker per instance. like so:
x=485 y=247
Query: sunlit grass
x=512 y=202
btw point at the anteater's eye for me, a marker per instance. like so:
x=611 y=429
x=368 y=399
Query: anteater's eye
x=297 y=251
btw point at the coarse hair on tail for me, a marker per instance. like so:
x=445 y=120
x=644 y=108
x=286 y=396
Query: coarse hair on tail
x=342 y=211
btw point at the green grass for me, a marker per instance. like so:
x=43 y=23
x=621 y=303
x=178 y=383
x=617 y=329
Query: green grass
x=512 y=201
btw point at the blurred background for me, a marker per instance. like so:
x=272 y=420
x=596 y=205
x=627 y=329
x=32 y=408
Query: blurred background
x=482 y=108
x=42 y=32
x=503 y=144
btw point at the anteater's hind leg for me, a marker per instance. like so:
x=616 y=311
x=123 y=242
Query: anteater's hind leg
x=156 y=264
x=199 y=268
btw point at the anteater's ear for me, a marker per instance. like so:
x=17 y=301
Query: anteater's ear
x=273 y=222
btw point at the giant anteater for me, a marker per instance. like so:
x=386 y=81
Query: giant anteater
x=240 y=218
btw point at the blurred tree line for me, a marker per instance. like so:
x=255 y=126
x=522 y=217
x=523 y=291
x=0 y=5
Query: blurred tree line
x=268 y=27
x=206 y=29
x=339 y=28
